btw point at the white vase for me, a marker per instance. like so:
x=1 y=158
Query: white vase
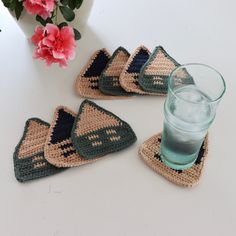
x=27 y=23
x=81 y=16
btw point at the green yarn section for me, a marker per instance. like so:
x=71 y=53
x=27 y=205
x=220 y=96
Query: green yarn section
x=24 y=168
x=147 y=82
x=108 y=84
x=106 y=140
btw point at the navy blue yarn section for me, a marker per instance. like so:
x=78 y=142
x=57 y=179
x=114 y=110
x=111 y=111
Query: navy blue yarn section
x=70 y=152
x=138 y=61
x=158 y=157
x=197 y=162
x=67 y=145
x=136 y=80
x=200 y=155
x=98 y=65
x=94 y=87
x=66 y=154
x=63 y=127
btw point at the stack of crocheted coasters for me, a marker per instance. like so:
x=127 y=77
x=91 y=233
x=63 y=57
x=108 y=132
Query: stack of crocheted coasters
x=150 y=153
x=123 y=75
x=71 y=140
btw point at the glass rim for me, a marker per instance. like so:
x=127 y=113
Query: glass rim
x=196 y=64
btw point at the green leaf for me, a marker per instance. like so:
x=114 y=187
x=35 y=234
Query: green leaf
x=62 y=24
x=64 y=2
x=12 y=5
x=18 y=9
x=72 y=4
x=7 y=3
x=41 y=20
x=78 y=3
x=68 y=14
x=49 y=20
x=77 y=34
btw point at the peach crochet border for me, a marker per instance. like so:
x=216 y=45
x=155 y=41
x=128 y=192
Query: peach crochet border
x=186 y=178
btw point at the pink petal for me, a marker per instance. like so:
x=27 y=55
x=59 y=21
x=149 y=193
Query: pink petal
x=52 y=29
x=58 y=55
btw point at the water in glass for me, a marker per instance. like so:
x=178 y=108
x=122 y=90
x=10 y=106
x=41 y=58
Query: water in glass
x=188 y=115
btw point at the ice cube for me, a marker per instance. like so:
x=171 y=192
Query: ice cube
x=194 y=108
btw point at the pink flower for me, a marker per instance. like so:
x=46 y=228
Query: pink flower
x=42 y=8
x=54 y=45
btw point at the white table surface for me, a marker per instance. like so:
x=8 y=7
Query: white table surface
x=120 y=195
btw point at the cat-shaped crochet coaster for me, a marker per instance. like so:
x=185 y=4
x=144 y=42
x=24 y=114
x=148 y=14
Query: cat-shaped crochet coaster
x=87 y=81
x=131 y=70
x=29 y=160
x=129 y=75
x=154 y=74
x=59 y=149
x=97 y=132
x=149 y=152
x=109 y=79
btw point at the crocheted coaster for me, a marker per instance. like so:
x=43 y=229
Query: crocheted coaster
x=87 y=81
x=130 y=73
x=97 y=132
x=109 y=79
x=154 y=74
x=29 y=160
x=149 y=152
x=59 y=149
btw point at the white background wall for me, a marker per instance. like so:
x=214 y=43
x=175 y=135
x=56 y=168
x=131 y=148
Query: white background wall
x=120 y=195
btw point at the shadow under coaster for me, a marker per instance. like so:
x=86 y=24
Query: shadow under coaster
x=59 y=149
x=97 y=132
x=154 y=74
x=109 y=79
x=150 y=153
x=87 y=81
x=29 y=160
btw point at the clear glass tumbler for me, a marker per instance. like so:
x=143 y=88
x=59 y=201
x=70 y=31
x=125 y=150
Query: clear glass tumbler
x=194 y=91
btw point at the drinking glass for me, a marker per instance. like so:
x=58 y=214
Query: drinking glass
x=194 y=91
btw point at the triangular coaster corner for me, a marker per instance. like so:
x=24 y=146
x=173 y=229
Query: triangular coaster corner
x=59 y=149
x=129 y=76
x=29 y=159
x=87 y=81
x=97 y=132
x=109 y=79
x=149 y=152
x=154 y=74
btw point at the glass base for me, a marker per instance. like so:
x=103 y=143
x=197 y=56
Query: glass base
x=176 y=166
